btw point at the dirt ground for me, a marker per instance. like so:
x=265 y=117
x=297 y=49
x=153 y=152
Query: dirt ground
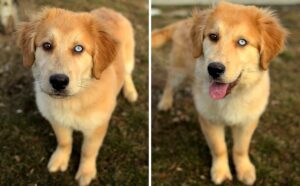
x=179 y=151
x=26 y=139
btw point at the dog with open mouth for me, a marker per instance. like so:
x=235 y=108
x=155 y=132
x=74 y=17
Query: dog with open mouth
x=80 y=62
x=227 y=49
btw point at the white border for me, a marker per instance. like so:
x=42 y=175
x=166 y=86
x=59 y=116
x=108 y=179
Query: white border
x=208 y=2
x=149 y=96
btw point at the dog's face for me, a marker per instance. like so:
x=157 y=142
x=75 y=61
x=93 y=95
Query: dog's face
x=236 y=44
x=66 y=50
x=6 y=2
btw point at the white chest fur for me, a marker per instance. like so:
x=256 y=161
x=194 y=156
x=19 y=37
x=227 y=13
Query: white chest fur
x=63 y=113
x=230 y=111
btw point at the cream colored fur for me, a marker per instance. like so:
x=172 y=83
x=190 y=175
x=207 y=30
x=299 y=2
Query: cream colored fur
x=9 y=15
x=246 y=67
x=96 y=77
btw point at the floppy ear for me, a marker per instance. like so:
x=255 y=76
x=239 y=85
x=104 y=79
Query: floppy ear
x=197 y=31
x=104 y=54
x=26 y=34
x=273 y=37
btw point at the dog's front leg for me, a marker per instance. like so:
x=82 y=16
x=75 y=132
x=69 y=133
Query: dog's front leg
x=215 y=137
x=92 y=142
x=60 y=158
x=242 y=136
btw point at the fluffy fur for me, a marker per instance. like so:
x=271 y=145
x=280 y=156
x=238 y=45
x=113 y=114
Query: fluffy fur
x=246 y=71
x=96 y=75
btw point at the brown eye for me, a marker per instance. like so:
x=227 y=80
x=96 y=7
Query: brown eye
x=47 y=46
x=213 y=37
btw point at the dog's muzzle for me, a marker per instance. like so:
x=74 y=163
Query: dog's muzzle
x=59 y=82
x=216 y=69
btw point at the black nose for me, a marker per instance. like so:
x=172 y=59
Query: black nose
x=216 y=69
x=59 y=81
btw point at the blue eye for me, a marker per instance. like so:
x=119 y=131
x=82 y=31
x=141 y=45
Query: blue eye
x=78 y=49
x=242 y=42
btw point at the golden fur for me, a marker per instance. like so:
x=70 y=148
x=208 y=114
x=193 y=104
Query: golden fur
x=246 y=71
x=96 y=75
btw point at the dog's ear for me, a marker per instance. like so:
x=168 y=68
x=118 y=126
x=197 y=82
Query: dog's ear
x=273 y=37
x=197 y=31
x=26 y=34
x=105 y=52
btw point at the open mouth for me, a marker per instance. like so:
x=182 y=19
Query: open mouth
x=219 y=90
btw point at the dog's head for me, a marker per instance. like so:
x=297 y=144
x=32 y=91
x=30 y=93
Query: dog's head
x=236 y=43
x=66 y=50
x=8 y=3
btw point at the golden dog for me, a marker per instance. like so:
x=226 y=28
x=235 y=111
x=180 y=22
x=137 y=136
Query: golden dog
x=233 y=46
x=80 y=62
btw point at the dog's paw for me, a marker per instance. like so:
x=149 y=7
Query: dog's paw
x=85 y=174
x=59 y=161
x=165 y=104
x=246 y=173
x=131 y=95
x=220 y=173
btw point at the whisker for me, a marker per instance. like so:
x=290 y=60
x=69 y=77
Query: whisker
x=83 y=83
x=251 y=70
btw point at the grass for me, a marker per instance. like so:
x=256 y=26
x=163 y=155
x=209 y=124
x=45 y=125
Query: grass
x=180 y=153
x=26 y=139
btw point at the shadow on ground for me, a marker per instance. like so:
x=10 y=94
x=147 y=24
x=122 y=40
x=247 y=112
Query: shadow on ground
x=180 y=154
x=26 y=139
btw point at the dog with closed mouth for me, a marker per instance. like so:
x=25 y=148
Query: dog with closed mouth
x=80 y=62
x=228 y=49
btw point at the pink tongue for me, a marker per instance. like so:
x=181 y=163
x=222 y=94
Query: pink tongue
x=218 y=90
